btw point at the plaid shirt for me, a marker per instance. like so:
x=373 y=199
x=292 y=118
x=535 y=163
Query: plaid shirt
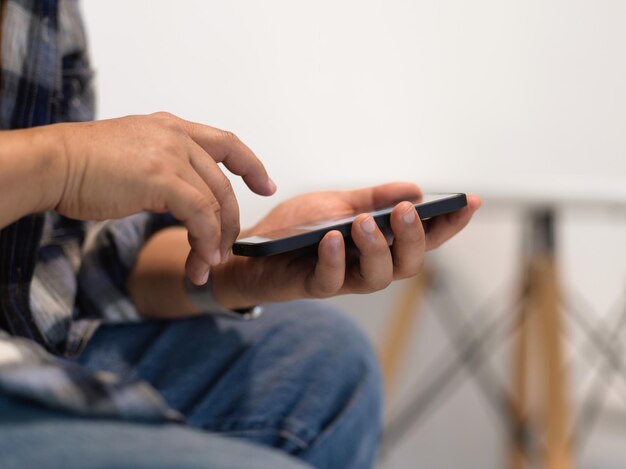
x=59 y=278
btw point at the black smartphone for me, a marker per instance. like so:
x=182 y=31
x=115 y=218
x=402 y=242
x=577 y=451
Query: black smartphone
x=310 y=234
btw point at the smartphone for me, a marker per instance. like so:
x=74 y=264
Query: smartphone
x=310 y=234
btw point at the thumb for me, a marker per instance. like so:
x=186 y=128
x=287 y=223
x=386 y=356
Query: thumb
x=383 y=195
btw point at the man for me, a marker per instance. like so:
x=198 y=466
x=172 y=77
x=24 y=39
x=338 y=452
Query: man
x=84 y=382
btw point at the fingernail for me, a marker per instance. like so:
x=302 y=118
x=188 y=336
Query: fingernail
x=333 y=243
x=272 y=184
x=409 y=216
x=368 y=225
x=226 y=256
x=205 y=277
x=216 y=258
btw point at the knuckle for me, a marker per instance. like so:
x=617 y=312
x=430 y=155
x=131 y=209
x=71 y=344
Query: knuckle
x=168 y=121
x=229 y=136
x=159 y=188
x=326 y=289
x=201 y=204
x=169 y=145
x=204 y=235
x=377 y=283
x=209 y=205
x=155 y=167
x=379 y=249
x=368 y=285
x=198 y=245
x=413 y=234
x=385 y=282
x=163 y=115
x=408 y=270
x=403 y=271
x=417 y=267
x=163 y=147
x=225 y=188
x=201 y=250
x=435 y=242
x=156 y=202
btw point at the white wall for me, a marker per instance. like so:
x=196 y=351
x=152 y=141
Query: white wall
x=447 y=93
x=342 y=92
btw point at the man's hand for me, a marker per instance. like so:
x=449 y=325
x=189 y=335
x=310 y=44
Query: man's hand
x=373 y=266
x=114 y=168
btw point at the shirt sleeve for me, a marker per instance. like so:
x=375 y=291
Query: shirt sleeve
x=109 y=253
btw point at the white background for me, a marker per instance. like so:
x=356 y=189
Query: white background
x=451 y=94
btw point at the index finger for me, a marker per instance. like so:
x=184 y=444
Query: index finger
x=225 y=147
x=444 y=227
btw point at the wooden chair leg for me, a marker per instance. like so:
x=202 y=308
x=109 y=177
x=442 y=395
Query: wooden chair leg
x=556 y=416
x=540 y=323
x=519 y=411
x=401 y=322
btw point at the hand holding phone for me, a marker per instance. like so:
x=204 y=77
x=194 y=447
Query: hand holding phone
x=310 y=234
x=331 y=267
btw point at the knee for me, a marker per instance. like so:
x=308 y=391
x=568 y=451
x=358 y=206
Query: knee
x=343 y=396
x=323 y=335
x=331 y=353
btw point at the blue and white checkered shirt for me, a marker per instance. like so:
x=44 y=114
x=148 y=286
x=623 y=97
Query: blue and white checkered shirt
x=59 y=277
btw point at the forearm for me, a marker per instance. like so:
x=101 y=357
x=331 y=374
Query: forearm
x=27 y=172
x=156 y=283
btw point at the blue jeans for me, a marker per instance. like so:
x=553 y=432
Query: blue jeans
x=300 y=384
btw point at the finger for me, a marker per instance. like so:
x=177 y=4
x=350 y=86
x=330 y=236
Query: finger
x=327 y=278
x=222 y=190
x=409 y=241
x=192 y=208
x=190 y=176
x=383 y=195
x=444 y=227
x=374 y=270
x=196 y=268
x=225 y=147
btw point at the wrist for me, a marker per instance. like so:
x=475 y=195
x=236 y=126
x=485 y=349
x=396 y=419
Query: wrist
x=28 y=172
x=204 y=302
x=232 y=286
x=50 y=165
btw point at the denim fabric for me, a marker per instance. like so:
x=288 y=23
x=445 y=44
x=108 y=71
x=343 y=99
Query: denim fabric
x=301 y=379
x=34 y=437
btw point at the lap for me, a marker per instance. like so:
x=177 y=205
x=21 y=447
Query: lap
x=301 y=379
x=292 y=379
x=31 y=436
